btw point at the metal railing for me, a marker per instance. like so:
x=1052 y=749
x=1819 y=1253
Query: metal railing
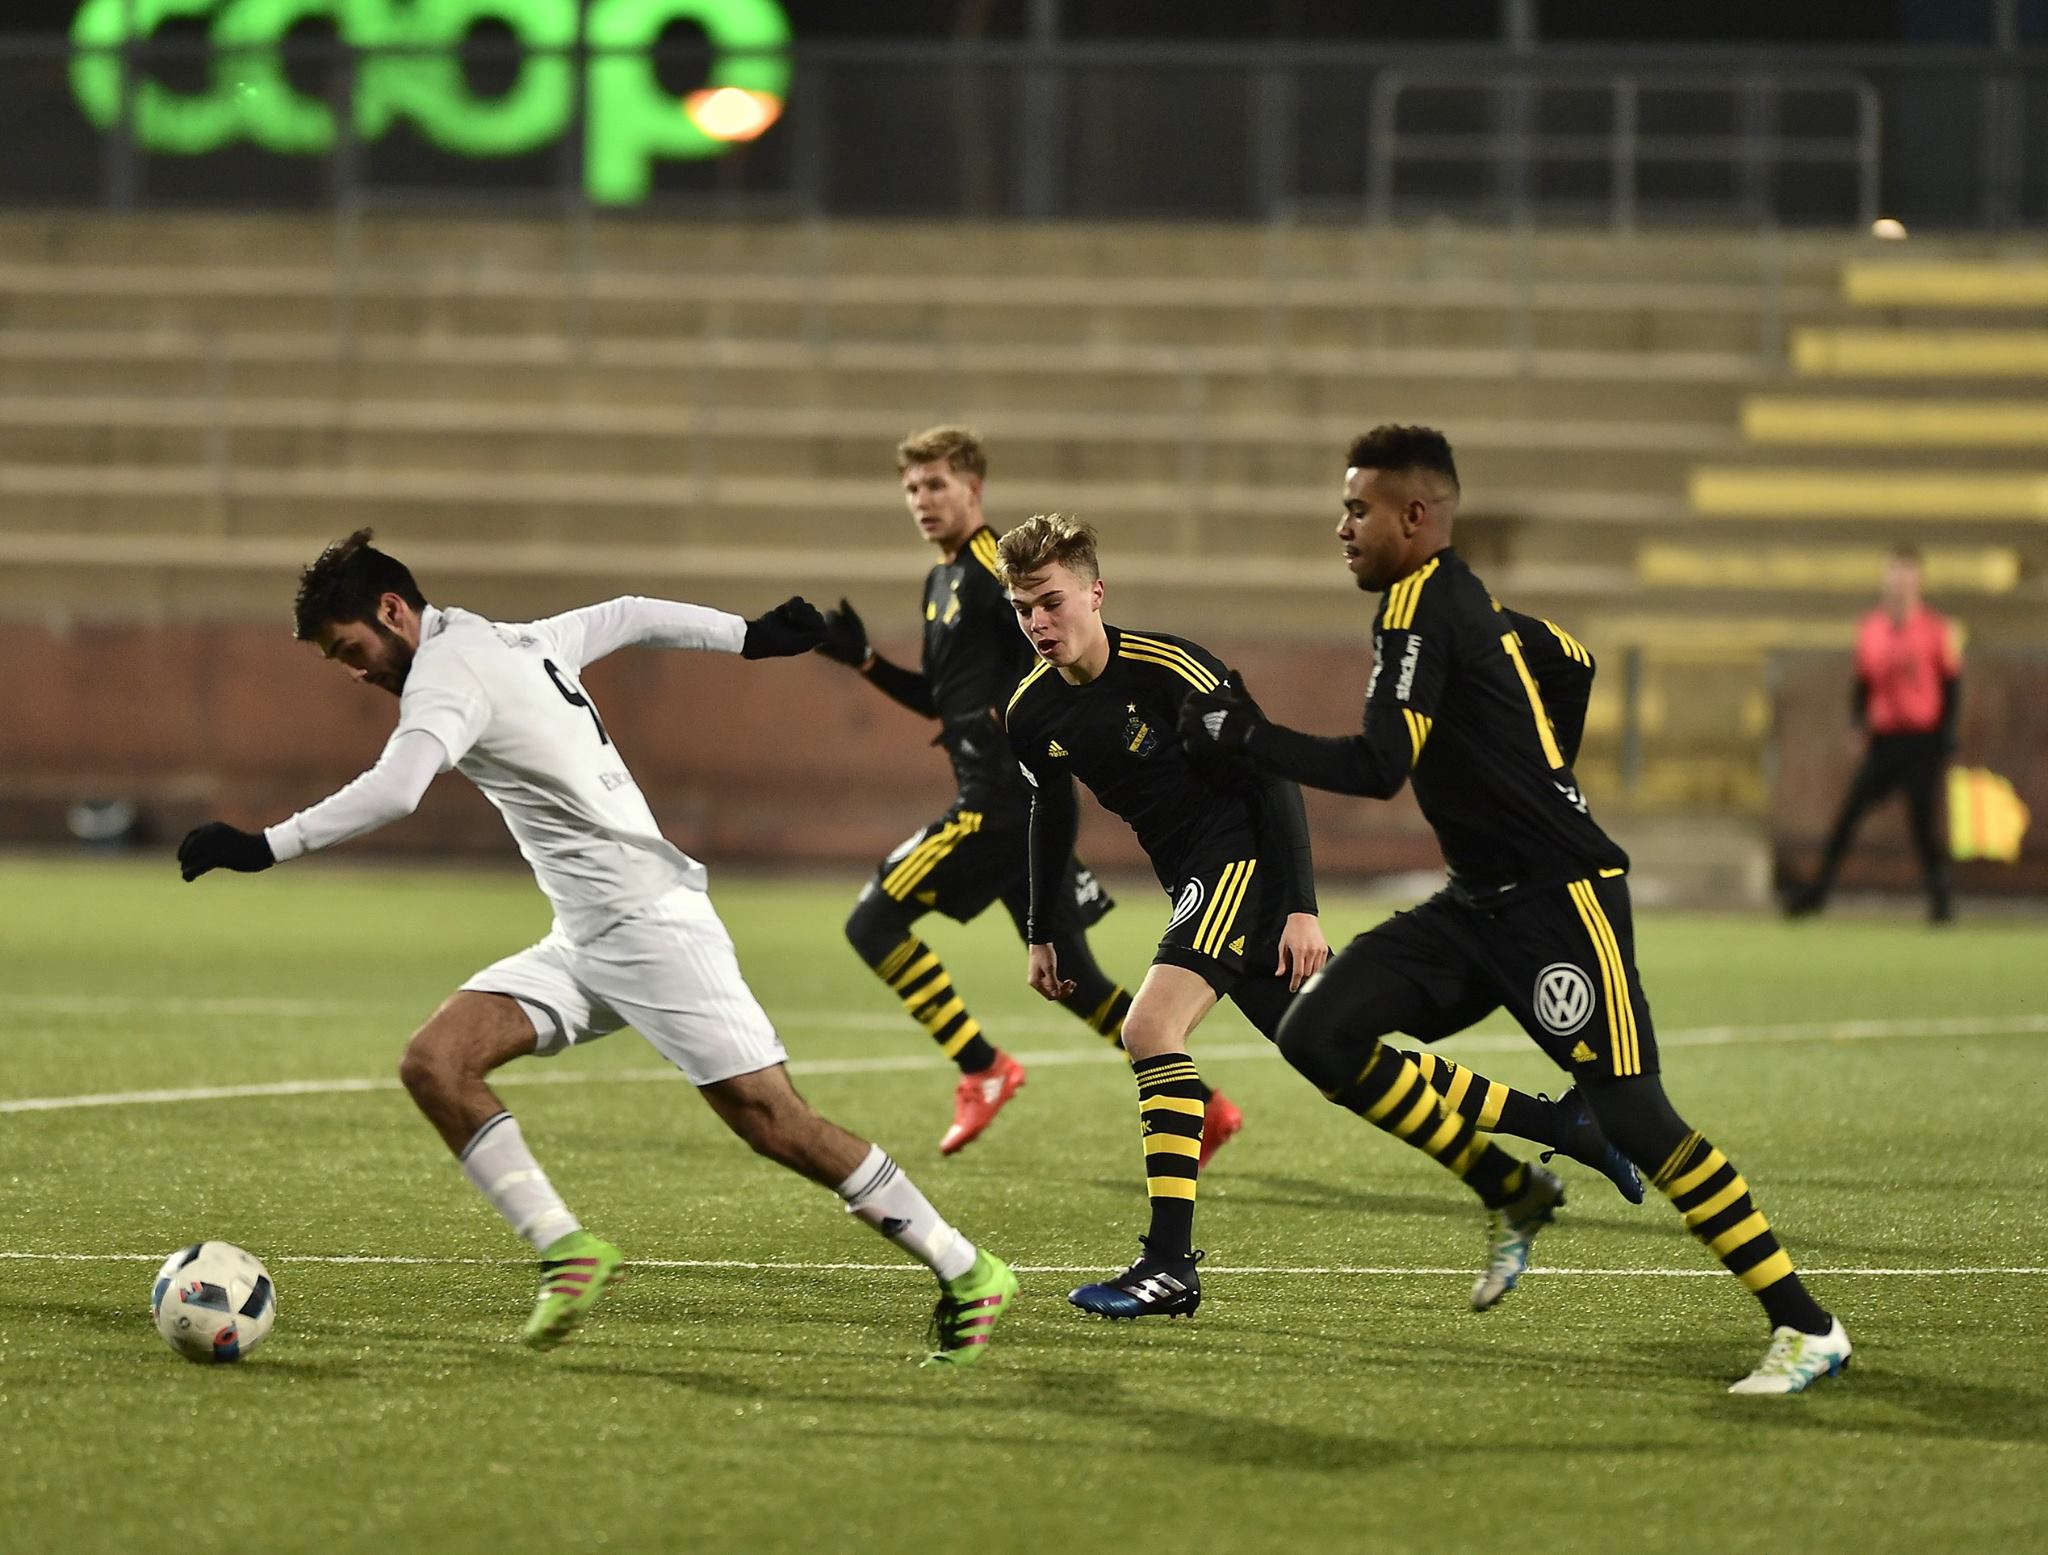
x=1515 y=146
x=998 y=130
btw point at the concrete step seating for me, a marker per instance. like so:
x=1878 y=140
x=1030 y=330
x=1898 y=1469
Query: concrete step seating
x=1930 y=425
x=1221 y=525
x=1048 y=448
x=188 y=405
x=1365 y=313
x=415 y=243
x=923 y=378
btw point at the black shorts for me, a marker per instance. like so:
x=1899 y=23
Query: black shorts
x=1226 y=929
x=1561 y=960
x=968 y=859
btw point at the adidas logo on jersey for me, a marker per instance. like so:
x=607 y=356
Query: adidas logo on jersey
x=1237 y=946
x=1055 y=749
x=1581 y=1054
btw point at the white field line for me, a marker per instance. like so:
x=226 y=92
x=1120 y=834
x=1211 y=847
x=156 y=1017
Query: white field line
x=1318 y=1270
x=1491 y=1042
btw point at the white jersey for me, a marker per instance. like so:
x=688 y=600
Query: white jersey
x=506 y=703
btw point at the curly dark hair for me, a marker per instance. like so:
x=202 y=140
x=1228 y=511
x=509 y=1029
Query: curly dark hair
x=1401 y=448
x=344 y=583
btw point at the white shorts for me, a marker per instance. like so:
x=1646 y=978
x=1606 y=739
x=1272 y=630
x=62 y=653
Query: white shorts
x=669 y=972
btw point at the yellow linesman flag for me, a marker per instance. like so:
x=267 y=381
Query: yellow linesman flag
x=1986 y=819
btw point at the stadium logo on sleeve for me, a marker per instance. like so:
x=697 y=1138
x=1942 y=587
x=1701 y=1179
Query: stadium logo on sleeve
x=1187 y=906
x=1563 y=998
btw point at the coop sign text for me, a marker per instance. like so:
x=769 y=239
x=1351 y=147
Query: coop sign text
x=408 y=70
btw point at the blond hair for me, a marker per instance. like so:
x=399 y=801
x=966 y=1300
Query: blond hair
x=1044 y=539
x=959 y=447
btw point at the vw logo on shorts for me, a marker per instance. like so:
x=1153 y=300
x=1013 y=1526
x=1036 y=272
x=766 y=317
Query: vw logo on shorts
x=1184 y=908
x=1564 y=998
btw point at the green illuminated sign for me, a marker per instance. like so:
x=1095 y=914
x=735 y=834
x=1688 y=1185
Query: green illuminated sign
x=631 y=119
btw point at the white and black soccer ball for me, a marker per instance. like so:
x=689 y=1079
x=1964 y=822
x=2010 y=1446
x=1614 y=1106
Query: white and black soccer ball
x=213 y=1302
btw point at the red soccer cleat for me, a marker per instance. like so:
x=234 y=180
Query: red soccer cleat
x=1221 y=1119
x=979 y=1097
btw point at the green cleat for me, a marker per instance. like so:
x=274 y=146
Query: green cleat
x=575 y=1272
x=967 y=1311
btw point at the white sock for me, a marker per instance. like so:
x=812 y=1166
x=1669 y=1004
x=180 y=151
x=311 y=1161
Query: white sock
x=504 y=1171
x=879 y=1193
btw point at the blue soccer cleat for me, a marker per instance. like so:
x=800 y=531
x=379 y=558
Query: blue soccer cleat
x=1583 y=1142
x=1151 y=1287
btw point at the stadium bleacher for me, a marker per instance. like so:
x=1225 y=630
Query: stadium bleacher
x=1693 y=450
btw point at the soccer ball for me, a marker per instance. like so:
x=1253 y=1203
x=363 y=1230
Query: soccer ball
x=213 y=1302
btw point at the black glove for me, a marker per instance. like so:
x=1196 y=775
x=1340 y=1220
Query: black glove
x=1224 y=718
x=217 y=845
x=846 y=636
x=792 y=627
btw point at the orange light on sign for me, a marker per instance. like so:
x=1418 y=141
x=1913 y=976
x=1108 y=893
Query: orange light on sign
x=732 y=113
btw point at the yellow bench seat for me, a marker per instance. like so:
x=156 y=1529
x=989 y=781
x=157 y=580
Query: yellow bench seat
x=1822 y=569
x=1965 y=496
x=1892 y=423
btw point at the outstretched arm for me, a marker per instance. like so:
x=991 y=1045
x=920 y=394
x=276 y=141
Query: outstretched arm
x=389 y=791
x=634 y=620
x=1374 y=762
x=589 y=634
x=846 y=642
x=906 y=686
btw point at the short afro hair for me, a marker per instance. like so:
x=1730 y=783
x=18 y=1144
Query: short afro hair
x=1404 y=449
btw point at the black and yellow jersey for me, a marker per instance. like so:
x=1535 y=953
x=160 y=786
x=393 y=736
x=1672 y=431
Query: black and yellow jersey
x=973 y=654
x=1482 y=709
x=1116 y=734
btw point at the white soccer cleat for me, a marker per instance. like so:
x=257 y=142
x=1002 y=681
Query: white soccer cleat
x=1796 y=1361
x=1511 y=1232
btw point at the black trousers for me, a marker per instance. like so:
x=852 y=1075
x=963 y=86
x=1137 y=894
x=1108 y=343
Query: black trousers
x=1908 y=763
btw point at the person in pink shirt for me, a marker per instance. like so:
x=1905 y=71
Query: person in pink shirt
x=1908 y=685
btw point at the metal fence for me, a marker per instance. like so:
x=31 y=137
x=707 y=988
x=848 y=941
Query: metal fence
x=1002 y=130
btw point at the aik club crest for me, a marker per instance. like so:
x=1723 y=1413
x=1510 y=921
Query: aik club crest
x=1139 y=739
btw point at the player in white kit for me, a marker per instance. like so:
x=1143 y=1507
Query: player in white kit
x=635 y=939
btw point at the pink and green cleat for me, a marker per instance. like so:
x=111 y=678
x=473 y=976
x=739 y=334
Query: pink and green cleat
x=575 y=1272
x=967 y=1311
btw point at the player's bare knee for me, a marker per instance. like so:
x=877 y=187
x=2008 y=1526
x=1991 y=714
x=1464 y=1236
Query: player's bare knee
x=765 y=1111
x=464 y=1040
x=423 y=1068
x=775 y=1129
x=1147 y=1034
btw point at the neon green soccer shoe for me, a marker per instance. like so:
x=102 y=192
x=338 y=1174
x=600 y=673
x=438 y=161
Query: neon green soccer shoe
x=967 y=1311
x=575 y=1272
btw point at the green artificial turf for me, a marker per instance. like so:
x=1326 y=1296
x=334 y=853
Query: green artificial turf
x=752 y=1386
